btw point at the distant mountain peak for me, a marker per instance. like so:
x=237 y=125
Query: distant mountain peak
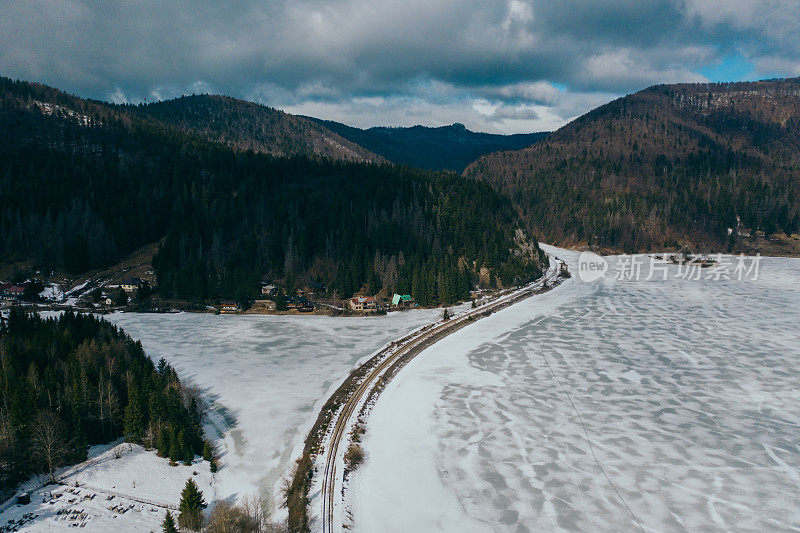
x=450 y=147
x=254 y=126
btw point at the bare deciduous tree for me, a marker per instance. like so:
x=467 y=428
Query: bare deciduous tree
x=249 y=516
x=49 y=441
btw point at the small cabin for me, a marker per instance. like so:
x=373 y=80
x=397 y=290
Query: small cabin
x=402 y=300
x=269 y=289
x=24 y=498
x=229 y=306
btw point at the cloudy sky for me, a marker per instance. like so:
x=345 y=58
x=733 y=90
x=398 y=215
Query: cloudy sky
x=494 y=65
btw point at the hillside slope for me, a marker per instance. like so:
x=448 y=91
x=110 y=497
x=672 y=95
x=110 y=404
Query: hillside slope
x=83 y=184
x=668 y=166
x=250 y=126
x=445 y=148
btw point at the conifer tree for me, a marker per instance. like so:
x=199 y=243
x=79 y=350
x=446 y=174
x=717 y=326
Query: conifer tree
x=280 y=302
x=191 y=507
x=134 y=418
x=168 y=524
x=176 y=452
x=208 y=452
x=163 y=443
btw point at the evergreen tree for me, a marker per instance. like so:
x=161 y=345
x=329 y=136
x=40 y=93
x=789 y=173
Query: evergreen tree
x=120 y=297
x=168 y=524
x=163 y=442
x=134 y=417
x=280 y=302
x=208 y=452
x=191 y=507
x=176 y=449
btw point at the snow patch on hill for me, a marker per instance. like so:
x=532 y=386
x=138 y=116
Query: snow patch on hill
x=121 y=487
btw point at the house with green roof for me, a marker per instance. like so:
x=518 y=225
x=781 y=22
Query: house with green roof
x=402 y=300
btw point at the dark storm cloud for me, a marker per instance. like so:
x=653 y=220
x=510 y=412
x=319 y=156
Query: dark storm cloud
x=494 y=62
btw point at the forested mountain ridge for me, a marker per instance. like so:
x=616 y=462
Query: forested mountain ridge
x=668 y=165
x=251 y=126
x=84 y=183
x=444 y=148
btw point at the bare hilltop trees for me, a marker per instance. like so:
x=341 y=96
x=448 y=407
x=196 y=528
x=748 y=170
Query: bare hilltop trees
x=49 y=439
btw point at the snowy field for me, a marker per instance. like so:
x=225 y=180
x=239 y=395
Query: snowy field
x=265 y=377
x=687 y=390
x=121 y=487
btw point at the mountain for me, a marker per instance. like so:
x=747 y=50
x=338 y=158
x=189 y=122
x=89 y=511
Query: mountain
x=250 y=126
x=84 y=183
x=444 y=148
x=672 y=165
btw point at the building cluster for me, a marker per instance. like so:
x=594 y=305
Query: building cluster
x=301 y=300
x=742 y=231
x=129 y=286
x=369 y=304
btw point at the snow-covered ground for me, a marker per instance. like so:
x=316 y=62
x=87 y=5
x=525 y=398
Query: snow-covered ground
x=266 y=378
x=121 y=487
x=52 y=293
x=686 y=413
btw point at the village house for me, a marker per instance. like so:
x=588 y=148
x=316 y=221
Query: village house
x=363 y=304
x=268 y=289
x=269 y=305
x=299 y=303
x=402 y=300
x=131 y=284
x=12 y=293
x=229 y=306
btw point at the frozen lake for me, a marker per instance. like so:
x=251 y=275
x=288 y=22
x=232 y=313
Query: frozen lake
x=266 y=376
x=671 y=405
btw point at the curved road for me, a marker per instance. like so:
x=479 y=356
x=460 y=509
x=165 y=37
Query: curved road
x=415 y=344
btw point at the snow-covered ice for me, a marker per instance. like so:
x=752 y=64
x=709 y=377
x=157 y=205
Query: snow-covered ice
x=688 y=392
x=265 y=376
